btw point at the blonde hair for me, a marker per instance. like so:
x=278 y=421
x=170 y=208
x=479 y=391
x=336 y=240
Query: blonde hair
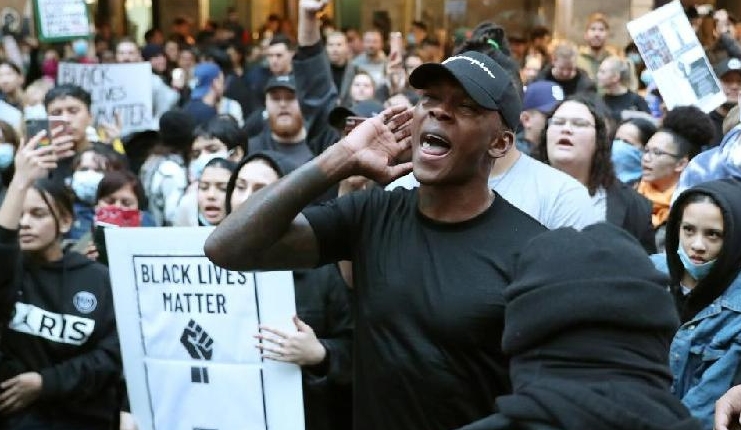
x=564 y=49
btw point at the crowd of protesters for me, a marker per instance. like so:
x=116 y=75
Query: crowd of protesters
x=491 y=232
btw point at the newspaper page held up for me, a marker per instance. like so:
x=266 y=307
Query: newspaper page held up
x=676 y=59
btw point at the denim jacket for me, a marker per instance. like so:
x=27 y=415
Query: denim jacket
x=705 y=353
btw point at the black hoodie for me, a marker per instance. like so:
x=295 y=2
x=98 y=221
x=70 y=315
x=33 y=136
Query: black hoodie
x=727 y=194
x=63 y=327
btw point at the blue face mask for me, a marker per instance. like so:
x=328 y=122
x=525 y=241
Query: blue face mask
x=697 y=271
x=635 y=58
x=7 y=151
x=646 y=77
x=79 y=47
x=411 y=39
x=85 y=185
x=627 y=161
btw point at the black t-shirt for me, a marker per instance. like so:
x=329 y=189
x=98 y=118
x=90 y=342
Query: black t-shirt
x=627 y=101
x=428 y=305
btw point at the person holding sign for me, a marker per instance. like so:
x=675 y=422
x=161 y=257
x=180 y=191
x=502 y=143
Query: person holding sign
x=322 y=341
x=61 y=364
x=429 y=265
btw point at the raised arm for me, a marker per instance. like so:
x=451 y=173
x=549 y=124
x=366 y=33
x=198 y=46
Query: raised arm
x=268 y=232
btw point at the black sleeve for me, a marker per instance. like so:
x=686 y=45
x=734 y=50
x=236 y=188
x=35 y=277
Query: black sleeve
x=338 y=342
x=315 y=88
x=10 y=265
x=336 y=225
x=89 y=373
x=640 y=103
x=641 y=211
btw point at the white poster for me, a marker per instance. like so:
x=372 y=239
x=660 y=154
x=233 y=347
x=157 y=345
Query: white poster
x=676 y=59
x=123 y=90
x=186 y=330
x=61 y=19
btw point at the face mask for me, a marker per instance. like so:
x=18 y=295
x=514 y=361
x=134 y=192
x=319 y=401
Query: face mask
x=646 y=77
x=121 y=217
x=627 y=161
x=7 y=151
x=79 y=47
x=411 y=39
x=85 y=185
x=697 y=271
x=196 y=166
x=635 y=58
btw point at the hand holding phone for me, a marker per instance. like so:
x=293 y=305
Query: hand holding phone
x=36 y=126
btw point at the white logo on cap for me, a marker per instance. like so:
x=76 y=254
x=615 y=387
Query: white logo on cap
x=557 y=92
x=282 y=78
x=473 y=61
x=734 y=64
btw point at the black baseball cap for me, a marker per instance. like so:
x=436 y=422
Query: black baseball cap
x=282 y=81
x=485 y=81
x=364 y=109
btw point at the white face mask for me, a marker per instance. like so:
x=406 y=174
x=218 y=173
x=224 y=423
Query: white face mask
x=7 y=152
x=85 y=185
x=195 y=169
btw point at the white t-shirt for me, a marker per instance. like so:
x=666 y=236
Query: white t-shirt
x=599 y=201
x=552 y=197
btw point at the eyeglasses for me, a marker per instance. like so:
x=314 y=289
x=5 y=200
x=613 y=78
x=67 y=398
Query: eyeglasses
x=653 y=152
x=575 y=122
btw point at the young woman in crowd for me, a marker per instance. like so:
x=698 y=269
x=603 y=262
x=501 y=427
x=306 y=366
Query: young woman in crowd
x=220 y=137
x=627 y=148
x=321 y=345
x=577 y=143
x=703 y=260
x=684 y=131
x=60 y=365
x=212 y=187
x=362 y=87
x=89 y=168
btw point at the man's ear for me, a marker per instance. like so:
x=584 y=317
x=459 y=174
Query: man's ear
x=681 y=164
x=524 y=118
x=501 y=144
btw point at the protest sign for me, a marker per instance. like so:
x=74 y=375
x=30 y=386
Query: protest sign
x=186 y=330
x=61 y=20
x=676 y=58
x=116 y=89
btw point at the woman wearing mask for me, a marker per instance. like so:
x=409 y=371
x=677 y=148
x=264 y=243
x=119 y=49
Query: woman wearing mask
x=61 y=364
x=321 y=344
x=576 y=142
x=627 y=148
x=89 y=167
x=220 y=137
x=703 y=260
x=684 y=131
x=8 y=145
x=212 y=191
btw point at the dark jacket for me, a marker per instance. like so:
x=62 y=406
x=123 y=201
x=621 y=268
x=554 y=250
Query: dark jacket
x=631 y=211
x=323 y=302
x=577 y=84
x=599 y=362
x=63 y=327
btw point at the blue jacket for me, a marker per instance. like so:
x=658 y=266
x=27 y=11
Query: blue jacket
x=705 y=354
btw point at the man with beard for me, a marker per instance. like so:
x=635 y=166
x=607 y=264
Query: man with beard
x=429 y=265
x=298 y=105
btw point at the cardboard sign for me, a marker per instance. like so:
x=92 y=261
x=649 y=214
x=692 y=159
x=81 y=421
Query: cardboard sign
x=676 y=59
x=186 y=326
x=61 y=20
x=116 y=89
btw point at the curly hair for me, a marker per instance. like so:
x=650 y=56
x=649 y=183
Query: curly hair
x=601 y=171
x=690 y=128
